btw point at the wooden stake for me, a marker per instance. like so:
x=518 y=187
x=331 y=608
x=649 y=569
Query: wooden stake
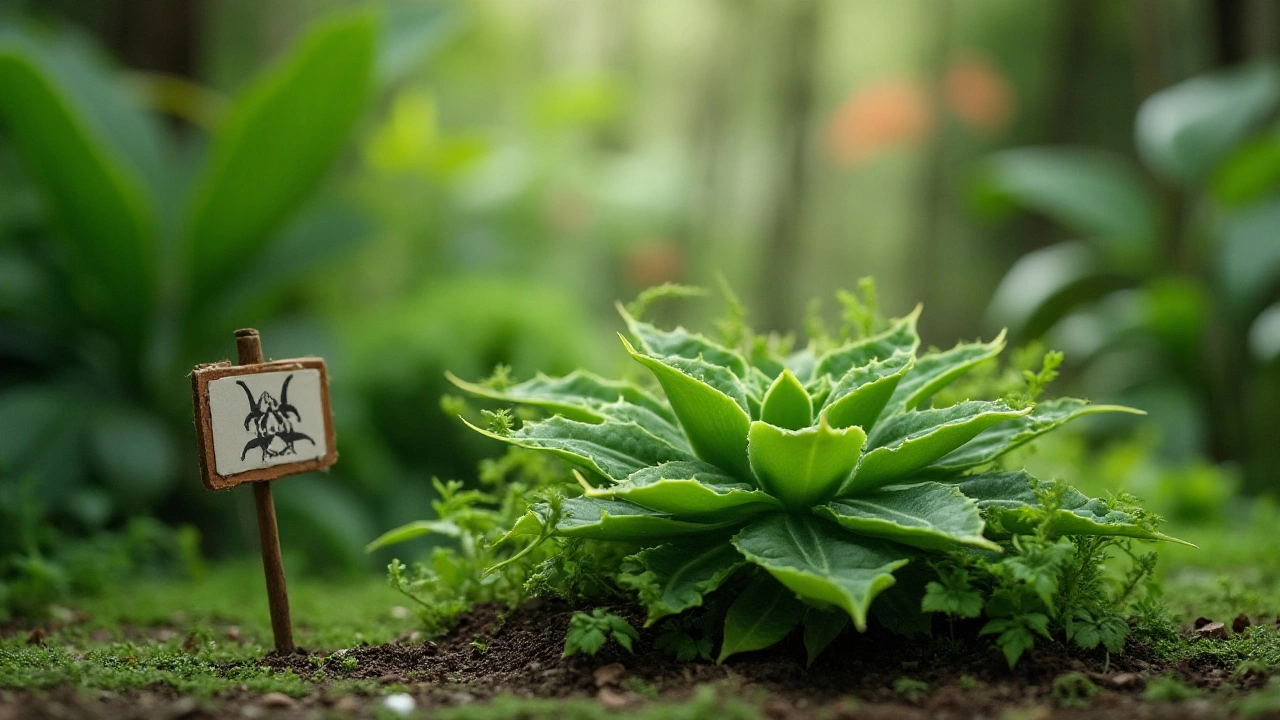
x=249 y=351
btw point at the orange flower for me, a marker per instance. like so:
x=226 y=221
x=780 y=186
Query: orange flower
x=977 y=92
x=879 y=116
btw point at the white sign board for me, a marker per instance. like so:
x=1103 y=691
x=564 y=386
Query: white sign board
x=260 y=422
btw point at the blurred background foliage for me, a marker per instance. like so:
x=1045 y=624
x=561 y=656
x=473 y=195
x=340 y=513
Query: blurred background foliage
x=406 y=187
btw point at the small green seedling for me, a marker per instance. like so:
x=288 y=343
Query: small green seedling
x=588 y=633
x=910 y=689
x=1074 y=690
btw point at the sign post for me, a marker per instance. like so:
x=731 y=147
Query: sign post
x=256 y=422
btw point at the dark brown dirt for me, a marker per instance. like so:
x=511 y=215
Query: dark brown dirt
x=494 y=653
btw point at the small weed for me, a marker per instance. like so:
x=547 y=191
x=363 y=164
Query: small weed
x=967 y=683
x=588 y=633
x=1169 y=688
x=910 y=689
x=1074 y=690
x=480 y=645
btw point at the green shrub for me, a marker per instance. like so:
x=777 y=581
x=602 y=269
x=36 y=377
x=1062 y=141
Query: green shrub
x=804 y=483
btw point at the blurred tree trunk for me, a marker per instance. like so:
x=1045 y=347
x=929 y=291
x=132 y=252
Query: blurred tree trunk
x=933 y=178
x=779 y=273
x=161 y=36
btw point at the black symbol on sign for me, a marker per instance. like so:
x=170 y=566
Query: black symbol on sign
x=270 y=420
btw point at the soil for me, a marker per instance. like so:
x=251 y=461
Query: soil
x=495 y=653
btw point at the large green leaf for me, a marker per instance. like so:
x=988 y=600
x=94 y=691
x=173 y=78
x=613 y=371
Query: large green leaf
x=1045 y=284
x=673 y=578
x=902 y=444
x=821 y=562
x=821 y=628
x=107 y=224
x=1183 y=131
x=934 y=371
x=1090 y=192
x=787 y=404
x=1008 y=497
x=612 y=449
x=683 y=344
x=1248 y=257
x=274 y=146
x=689 y=488
x=601 y=519
x=900 y=337
x=995 y=441
x=410 y=531
x=577 y=396
x=926 y=515
x=860 y=396
x=803 y=467
x=715 y=422
x=762 y=615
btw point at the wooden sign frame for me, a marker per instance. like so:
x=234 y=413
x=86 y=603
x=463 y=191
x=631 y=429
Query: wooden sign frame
x=205 y=374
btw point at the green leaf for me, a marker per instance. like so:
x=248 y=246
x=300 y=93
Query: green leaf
x=821 y=562
x=927 y=515
x=803 y=467
x=898 y=607
x=1044 y=284
x=577 y=396
x=715 y=422
x=1006 y=497
x=821 y=628
x=600 y=519
x=1090 y=192
x=670 y=579
x=934 y=371
x=952 y=595
x=1184 y=130
x=762 y=615
x=275 y=145
x=612 y=449
x=902 y=444
x=861 y=395
x=689 y=488
x=666 y=344
x=787 y=404
x=1250 y=173
x=900 y=337
x=1248 y=257
x=98 y=203
x=412 y=530
x=995 y=441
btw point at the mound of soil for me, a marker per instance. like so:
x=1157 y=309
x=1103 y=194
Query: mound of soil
x=871 y=675
x=493 y=652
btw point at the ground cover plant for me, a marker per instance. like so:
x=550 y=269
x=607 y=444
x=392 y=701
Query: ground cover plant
x=818 y=488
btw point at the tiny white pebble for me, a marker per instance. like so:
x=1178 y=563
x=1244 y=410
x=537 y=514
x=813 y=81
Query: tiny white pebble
x=400 y=703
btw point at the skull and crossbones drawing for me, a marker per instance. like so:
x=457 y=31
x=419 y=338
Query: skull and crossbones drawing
x=270 y=421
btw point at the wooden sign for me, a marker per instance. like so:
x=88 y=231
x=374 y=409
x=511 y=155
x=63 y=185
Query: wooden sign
x=256 y=422
x=262 y=421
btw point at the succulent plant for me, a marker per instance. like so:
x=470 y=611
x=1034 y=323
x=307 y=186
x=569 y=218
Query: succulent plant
x=826 y=468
